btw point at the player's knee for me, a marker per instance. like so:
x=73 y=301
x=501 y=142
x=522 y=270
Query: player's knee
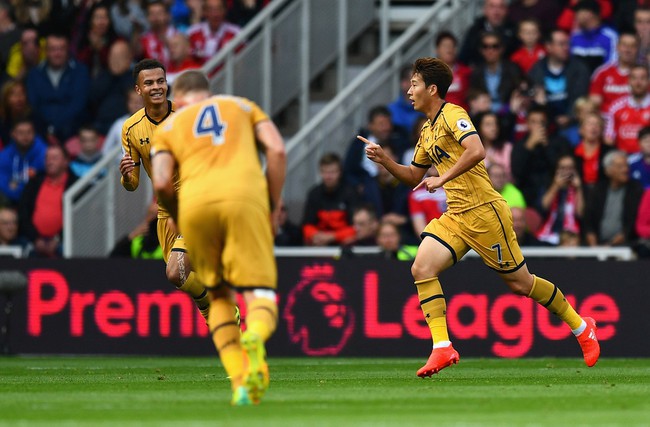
x=519 y=287
x=173 y=274
x=421 y=271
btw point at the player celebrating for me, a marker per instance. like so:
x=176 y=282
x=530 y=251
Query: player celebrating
x=477 y=217
x=224 y=208
x=151 y=84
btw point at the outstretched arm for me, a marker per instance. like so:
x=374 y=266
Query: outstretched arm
x=409 y=175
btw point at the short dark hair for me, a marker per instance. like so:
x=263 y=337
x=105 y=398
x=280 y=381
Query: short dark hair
x=548 y=37
x=434 y=72
x=329 y=159
x=22 y=120
x=156 y=3
x=379 y=110
x=147 y=64
x=444 y=34
x=645 y=131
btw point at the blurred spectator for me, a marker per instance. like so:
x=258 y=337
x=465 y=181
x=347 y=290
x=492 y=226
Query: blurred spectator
x=401 y=110
x=288 y=233
x=153 y=43
x=108 y=88
x=114 y=137
x=642 y=28
x=566 y=20
x=33 y=14
x=9 y=36
x=592 y=41
x=534 y=157
x=563 y=203
x=13 y=106
x=531 y=49
x=64 y=16
x=9 y=230
x=544 y=12
x=498 y=76
x=507 y=189
x=479 y=101
x=240 y=12
x=186 y=13
x=613 y=205
x=142 y=241
x=446 y=50
x=524 y=235
x=328 y=207
x=581 y=108
x=424 y=206
x=494 y=20
x=129 y=19
x=209 y=37
x=514 y=123
x=21 y=160
x=629 y=114
x=392 y=204
x=389 y=241
x=591 y=150
x=640 y=162
x=58 y=91
x=27 y=54
x=41 y=205
x=562 y=77
x=643 y=226
x=609 y=82
x=97 y=38
x=497 y=149
x=366 y=224
x=407 y=157
x=359 y=171
x=180 y=56
x=90 y=151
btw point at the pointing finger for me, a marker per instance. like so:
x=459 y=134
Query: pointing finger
x=364 y=139
x=419 y=185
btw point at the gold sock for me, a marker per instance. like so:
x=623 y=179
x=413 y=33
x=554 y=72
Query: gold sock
x=434 y=308
x=226 y=337
x=550 y=296
x=262 y=317
x=195 y=289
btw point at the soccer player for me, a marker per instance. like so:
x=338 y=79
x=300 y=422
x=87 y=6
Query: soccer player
x=477 y=217
x=151 y=84
x=227 y=209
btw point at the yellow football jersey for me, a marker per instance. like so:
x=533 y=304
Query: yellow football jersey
x=214 y=142
x=439 y=144
x=137 y=133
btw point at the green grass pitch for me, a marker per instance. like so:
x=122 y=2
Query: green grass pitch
x=139 y=391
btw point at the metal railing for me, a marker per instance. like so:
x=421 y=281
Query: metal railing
x=334 y=126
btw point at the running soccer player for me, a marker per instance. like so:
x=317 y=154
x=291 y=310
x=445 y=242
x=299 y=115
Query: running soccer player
x=151 y=84
x=477 y=217
x=227 y=210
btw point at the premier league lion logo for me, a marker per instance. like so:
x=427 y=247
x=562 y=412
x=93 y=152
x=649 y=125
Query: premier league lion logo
x=316 y=313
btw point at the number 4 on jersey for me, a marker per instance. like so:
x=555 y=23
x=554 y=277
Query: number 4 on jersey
x=208 y=123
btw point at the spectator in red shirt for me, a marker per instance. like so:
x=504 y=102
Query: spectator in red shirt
x=153 y=43
x=629 y=114
x=446 y=50
x=425 y=206
x=609 y=82
x=41 y=205
x=180 y=55
x=328 y=209
x=210 y=36
x=590 y=151
x=532 y=49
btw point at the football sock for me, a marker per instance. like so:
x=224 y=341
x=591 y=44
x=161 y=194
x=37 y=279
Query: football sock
x=262 y=317
x=226 y=337
x=195 y=289
x=434 y=308
x=551 y=297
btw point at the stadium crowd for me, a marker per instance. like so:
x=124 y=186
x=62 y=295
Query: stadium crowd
x=557 y=89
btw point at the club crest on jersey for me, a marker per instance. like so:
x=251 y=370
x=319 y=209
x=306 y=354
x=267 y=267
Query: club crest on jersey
x=463 y=125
